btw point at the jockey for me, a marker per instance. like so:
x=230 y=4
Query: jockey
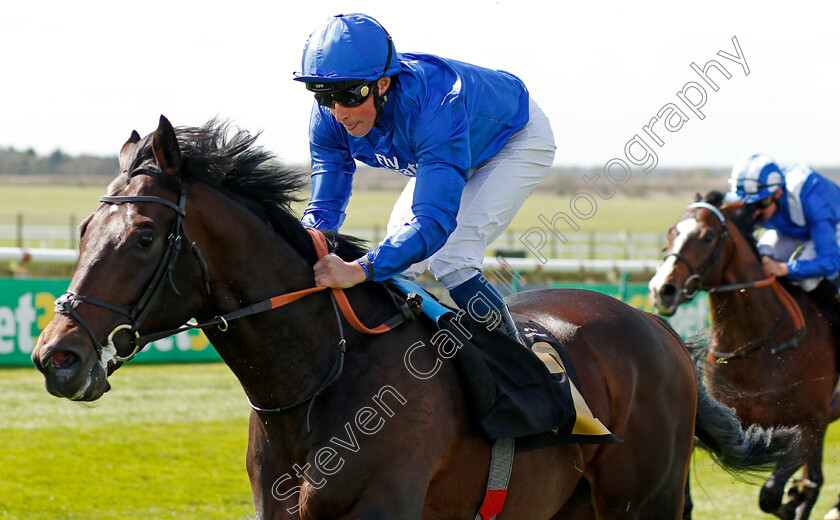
x=800 y=210
x=471 y=140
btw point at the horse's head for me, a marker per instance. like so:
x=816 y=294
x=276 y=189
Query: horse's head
x=135 y=272
x=701 y=246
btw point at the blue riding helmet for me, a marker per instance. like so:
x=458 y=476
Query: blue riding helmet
x=754 y=177
x=348 y=47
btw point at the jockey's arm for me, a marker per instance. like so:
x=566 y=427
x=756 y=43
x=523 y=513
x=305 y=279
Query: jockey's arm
x=827 y=261
x=436 y=200
x=332 y=174
x=440 y=136
x=437 y=197
x=819 y=206
x=440 y=140
x=330 y=195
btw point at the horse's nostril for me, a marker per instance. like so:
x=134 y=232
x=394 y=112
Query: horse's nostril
x=60 y=357
x=63 y=359
x=667 y=290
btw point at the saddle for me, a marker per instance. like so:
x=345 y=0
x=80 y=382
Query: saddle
x=530 y=393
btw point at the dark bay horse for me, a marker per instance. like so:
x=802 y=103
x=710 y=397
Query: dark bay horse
x=198 y=224
x=771 y=354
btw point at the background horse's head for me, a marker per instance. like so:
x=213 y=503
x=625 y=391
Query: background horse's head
x=702 y=246
x=138 y=270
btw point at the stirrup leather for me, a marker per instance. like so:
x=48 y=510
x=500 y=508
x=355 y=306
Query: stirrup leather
x=508 y=326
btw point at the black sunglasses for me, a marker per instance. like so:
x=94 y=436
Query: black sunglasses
x=348 y=97
x=766 y=202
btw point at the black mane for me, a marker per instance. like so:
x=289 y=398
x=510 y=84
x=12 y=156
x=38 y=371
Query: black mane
x=231 y=163
x=715 y=198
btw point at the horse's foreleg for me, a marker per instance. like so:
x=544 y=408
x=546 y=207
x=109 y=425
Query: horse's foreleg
x=773 y=492
x=802 y=493
x=806 y=491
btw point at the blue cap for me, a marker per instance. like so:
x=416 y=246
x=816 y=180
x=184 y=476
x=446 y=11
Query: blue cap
x=754 y=177
x=348 y=47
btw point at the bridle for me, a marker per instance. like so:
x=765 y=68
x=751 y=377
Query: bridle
x=697 y=275
x=67 y=303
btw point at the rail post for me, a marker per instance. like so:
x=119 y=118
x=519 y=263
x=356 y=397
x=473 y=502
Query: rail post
x=19 y=229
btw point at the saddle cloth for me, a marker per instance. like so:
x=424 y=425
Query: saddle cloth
x=530 y=393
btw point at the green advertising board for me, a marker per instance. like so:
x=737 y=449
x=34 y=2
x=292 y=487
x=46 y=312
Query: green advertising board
x=26 y=306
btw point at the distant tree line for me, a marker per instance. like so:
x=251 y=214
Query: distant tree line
x=16 y=162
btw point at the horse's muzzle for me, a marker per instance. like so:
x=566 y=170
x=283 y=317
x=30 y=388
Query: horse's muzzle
x=665 y=298
x=71 y=371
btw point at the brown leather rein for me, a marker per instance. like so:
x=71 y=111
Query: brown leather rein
x=340 y=304
x=276 y=302
x=781 y=293
x=68 y=303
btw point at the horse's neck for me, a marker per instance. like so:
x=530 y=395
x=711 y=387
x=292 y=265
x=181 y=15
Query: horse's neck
x=279 y=356
x=746 y=316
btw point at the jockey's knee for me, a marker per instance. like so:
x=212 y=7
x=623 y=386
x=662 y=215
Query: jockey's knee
x=455 y=278
x=478 y=298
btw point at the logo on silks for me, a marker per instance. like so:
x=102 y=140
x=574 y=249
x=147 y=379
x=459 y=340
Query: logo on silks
x=393 y=164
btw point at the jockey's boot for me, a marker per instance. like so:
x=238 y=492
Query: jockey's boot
x=507 y=325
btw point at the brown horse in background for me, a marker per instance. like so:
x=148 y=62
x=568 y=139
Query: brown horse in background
x=771 y=354
x=198 y=225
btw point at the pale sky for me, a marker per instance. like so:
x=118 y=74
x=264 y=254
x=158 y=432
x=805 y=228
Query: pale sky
x=79 y=76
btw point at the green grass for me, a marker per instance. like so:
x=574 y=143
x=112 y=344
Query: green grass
x=620 y=213
x=367 y=209
x=48 y=204
x=717 y=495
x=166 y=442
x=169 y=442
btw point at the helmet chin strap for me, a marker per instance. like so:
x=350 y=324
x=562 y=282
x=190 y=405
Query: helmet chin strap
x=379 y=101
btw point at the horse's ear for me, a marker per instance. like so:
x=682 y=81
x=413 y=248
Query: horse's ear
x=165 y=147
x=698 y=197
x=729 y=209
x=127 y=149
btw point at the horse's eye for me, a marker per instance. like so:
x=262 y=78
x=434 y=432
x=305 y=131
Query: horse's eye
x=146 y=240
x=708 y=237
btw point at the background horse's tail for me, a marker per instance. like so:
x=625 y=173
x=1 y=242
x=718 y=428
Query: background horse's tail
x=743 y=453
